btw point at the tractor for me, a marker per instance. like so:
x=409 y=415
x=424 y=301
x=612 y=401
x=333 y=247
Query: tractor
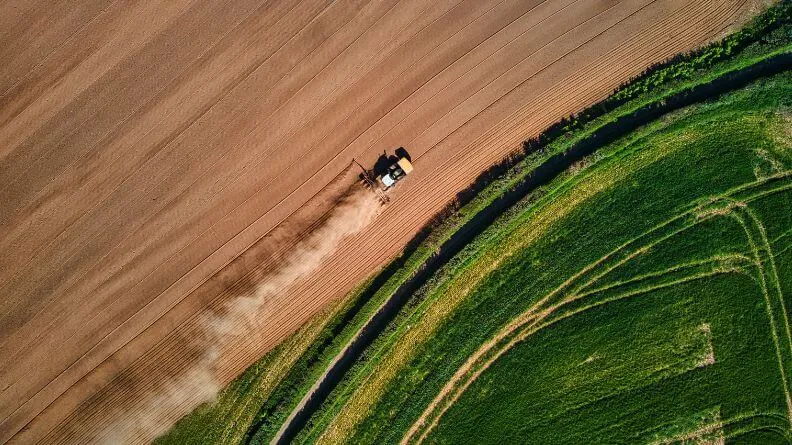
x=388 y=171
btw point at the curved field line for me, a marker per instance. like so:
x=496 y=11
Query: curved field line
x=721 y=259
x=764 y=278
x=767 y=246
x=768 y=423
x=726 y=262
x=715 y=270
x=701 y=212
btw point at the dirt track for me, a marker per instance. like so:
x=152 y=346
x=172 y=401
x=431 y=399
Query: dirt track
x=145 y=145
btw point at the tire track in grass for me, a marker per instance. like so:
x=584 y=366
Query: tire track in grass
x=750 y=422
x=762 y=255
x=720 y=259
x=768 y=421
x=729 y=268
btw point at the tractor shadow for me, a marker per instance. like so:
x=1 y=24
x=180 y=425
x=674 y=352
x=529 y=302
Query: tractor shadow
x=381 y=165
x=384 y=161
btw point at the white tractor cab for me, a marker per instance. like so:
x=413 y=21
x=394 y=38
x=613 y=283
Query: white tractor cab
x=396 y=171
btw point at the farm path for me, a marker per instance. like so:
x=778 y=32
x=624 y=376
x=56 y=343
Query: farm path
x=144 y=146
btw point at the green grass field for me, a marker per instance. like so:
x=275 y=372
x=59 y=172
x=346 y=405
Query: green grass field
x=670 y=324
x=630 y=300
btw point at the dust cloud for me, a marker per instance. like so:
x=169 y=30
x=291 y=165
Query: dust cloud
x=159 y=408
x=240 y=315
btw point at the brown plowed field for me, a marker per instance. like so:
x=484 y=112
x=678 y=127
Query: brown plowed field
x=144 y=145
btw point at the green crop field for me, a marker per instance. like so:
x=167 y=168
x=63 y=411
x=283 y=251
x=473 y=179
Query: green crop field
x=641 y=298
x=664 y=316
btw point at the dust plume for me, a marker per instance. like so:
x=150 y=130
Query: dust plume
x=220 y=329
x=150 y=418
x=354 y=213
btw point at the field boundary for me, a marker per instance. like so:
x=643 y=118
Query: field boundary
x=547 y=170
